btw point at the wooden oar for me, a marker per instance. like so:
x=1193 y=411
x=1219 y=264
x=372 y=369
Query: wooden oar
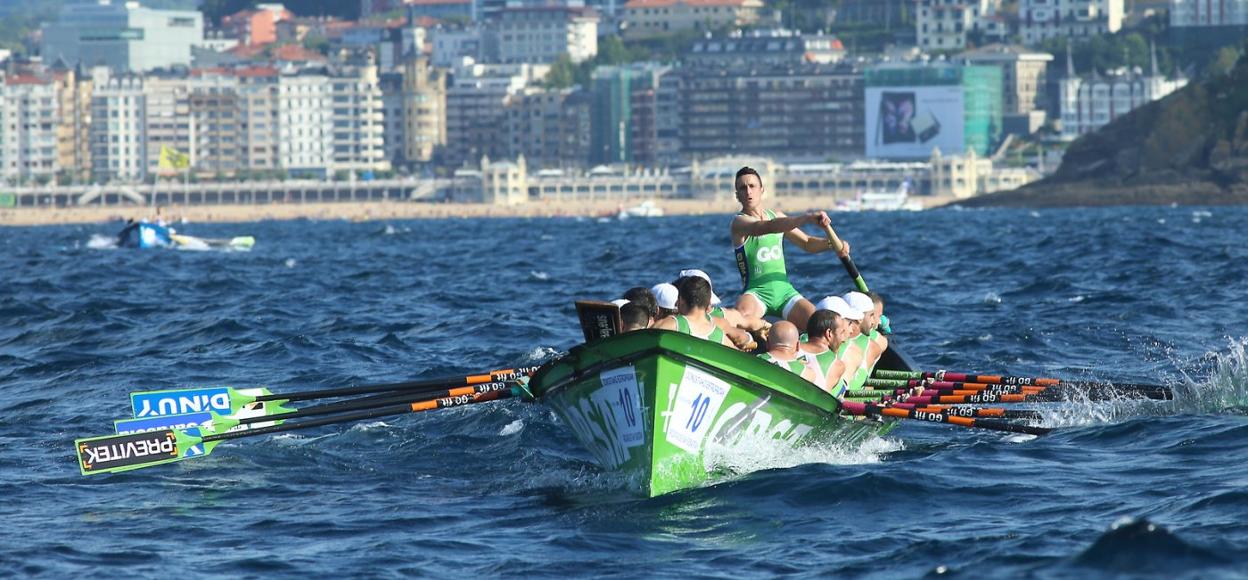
x=116 y=453
x=990 y=424
x=968 y=411
x=836 y=243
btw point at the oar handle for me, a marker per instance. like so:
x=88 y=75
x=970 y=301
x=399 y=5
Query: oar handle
x=836 y=243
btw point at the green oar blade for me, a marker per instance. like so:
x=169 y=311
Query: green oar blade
x=115 y=453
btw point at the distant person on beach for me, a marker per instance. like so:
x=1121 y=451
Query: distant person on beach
x=758 y=236
x=693 y=303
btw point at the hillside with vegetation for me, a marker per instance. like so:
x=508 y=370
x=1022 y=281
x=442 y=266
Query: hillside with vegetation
x=1189 y=148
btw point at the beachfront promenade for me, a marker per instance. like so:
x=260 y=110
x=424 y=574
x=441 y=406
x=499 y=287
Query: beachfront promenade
x=224 y=193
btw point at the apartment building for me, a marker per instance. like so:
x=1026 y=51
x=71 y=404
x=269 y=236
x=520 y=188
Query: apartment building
x=305 y=122
x=946 y=24
x=1074 y=19
x=648 y=18
x=118 y=132
x=549 y=127
x=1205 y=13
x=476 y=99
x=424 y=110
x=29 y=127
x=1091 y=101
x=357 y=120
x=539 y=34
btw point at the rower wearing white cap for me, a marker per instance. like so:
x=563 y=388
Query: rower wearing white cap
x=871 y=353
x=738 y=328
x=693 y=303
x=665 y=296
x=783 y=352
x=848 y=352
x=758 y=238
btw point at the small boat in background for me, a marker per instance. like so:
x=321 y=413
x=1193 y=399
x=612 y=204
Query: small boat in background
x=896 y=200
x=645 y=209
x=144 y=235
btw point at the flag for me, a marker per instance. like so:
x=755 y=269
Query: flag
x=170 y=158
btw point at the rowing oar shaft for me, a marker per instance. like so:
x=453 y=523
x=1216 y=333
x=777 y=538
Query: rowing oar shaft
x=872 y=409
x=836 y=243
x=398 y=409
x=967 y=411
x=1093 y=391
x=374 y=402
x=962 y=377
x=492 y=376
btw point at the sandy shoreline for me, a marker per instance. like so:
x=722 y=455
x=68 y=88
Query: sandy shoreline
x=376 y=211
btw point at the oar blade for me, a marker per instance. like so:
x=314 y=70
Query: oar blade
x=116 y=453
x=220 y=400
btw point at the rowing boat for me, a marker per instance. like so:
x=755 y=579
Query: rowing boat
x=670 y=411
x=144 y=235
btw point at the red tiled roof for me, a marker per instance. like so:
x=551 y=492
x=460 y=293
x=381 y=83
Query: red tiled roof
x=296 y=53
x=255 y=71
x=20 y=79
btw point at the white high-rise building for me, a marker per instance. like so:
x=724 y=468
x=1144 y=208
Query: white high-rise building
x=1074 y=19
x=305 y=123
x=539 y=34
x=1090 y=102
x=118 y=127
x=358 y=121
x=1208 y=13
x=28 y=116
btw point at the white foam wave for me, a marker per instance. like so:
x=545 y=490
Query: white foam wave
x=539 y=275
x=756 y=453
x=992 y=298
x=102 y=242
x=512 y=428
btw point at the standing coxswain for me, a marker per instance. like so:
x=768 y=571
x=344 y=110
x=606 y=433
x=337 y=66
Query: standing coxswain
x=758 y=236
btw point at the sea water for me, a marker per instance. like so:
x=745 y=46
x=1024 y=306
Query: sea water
x=1151 y=295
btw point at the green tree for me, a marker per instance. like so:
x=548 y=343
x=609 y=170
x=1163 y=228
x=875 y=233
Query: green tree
x=1223 y=62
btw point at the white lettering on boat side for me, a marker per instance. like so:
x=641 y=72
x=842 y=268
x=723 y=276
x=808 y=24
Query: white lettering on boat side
x=696 y=406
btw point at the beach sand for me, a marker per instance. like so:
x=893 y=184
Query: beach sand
x=380 y=211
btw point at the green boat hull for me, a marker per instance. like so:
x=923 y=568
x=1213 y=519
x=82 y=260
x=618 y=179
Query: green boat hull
x=667 y=410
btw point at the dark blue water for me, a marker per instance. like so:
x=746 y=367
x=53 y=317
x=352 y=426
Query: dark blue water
x=1143 y=294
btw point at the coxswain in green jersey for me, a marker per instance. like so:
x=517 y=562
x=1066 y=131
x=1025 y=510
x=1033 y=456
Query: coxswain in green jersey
x=783 y=352
x=758 y=236
x=693 y=303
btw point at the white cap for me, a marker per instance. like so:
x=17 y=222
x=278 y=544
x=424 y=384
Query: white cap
x=859 y=301
x=665 y=294
x=699 y=273
x=840 y=306
x=619 y=302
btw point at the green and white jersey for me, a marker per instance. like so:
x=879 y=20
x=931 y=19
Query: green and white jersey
x=795 y=366
x=761 y=259
x=682 y=326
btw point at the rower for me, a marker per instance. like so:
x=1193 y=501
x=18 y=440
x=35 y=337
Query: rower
x=693 y=303
x=878 y=328
x=871 y=349
x=635 y=317
x=645 y=298
x=757 y=237
x=783 y=352
x=821 y=347
x=665 y=300
x=737 y=327
x=850 y=354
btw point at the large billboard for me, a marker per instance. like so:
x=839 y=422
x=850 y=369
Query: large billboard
x=907 y=122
